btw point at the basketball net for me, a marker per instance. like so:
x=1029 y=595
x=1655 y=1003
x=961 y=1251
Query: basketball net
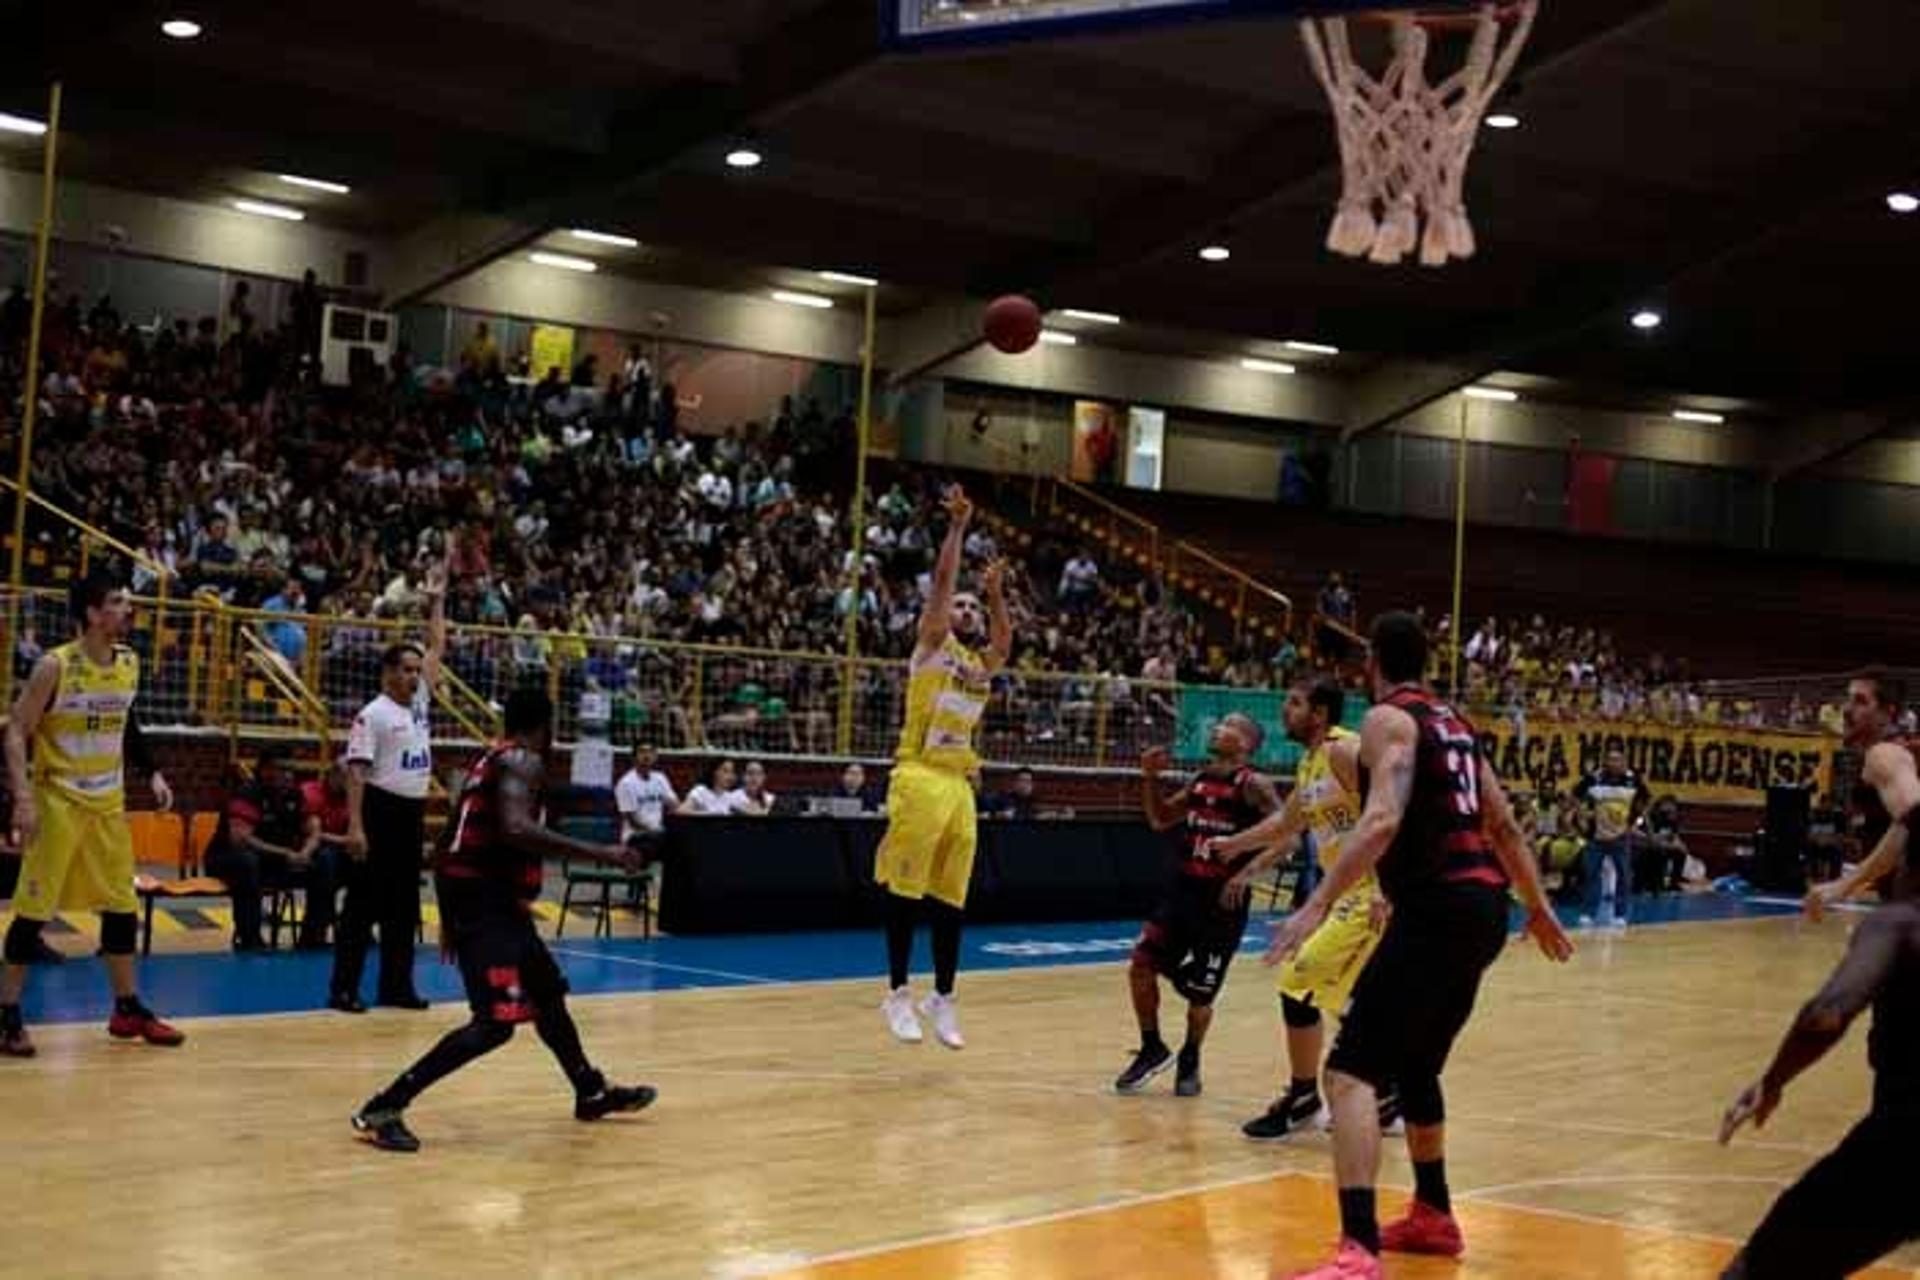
x=1405 y=141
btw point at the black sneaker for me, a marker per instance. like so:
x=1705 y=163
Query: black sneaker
x=1391 y=1122
x=14 y=1041
x=1146 y=1064
x=613 y=1099
x=1299 y=1109
x=1186 y=1084
x=346 y=1002
x=385 y=1129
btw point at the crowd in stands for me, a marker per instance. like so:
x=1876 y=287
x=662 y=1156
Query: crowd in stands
x=587 y=527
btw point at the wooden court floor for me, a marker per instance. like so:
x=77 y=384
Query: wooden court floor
x=794 y=1140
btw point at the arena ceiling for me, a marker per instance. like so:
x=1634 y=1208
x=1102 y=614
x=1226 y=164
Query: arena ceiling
x=1727 y=161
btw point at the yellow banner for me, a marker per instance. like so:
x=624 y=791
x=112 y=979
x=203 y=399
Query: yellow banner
x=1700 y=764
x=551 y=348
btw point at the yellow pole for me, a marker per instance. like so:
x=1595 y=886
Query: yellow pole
x=1459 y=547
x=31 y=412
x=854 y=572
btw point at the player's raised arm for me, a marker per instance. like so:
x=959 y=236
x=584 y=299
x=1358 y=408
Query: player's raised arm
x=999 y=620
x=1164 y=812
x=936 y=616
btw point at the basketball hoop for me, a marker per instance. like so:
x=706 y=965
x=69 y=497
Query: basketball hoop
x=1405 y=140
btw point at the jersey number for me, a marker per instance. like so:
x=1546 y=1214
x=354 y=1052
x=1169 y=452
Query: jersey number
x=1463 y=764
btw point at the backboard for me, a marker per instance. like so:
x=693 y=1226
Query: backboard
x=938 y=22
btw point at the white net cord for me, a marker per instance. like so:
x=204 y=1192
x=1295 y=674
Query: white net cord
x=1404 y=142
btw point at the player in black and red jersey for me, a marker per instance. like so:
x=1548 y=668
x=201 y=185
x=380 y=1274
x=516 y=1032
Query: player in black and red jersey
x=487 y=875
x=1888 y=784
x=1437 y=824
x=1193 y=935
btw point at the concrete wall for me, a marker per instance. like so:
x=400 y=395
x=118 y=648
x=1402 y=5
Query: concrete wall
x=514 y=286
x=182 y=231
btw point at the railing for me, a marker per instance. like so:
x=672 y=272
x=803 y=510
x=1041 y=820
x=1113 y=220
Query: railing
x=1256 y=609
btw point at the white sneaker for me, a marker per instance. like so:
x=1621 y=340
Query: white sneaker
x=898 y=1006
x=1586 y=922
x=1616 y=925
x=946 y=1022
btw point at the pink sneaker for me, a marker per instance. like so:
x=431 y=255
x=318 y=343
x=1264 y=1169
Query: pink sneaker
x=1424 y=1230
x=1353 y=1262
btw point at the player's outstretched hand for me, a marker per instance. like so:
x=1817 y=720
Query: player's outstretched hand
x=162 y=793
x=1756 y=1104
x=958 y=506
x=1155 y=760
x=1819 y=898
x=1292 y=933
x=627 y=858
x=1545 y=930
x=1235 y=891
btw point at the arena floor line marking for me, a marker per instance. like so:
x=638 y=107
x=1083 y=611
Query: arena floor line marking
x=601 y=956
x=1116 y=1205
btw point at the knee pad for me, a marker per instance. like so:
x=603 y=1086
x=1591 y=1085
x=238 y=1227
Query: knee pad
x=1298 y=1013
x=119 y=933
x=23 y=940
x=1421 y=1101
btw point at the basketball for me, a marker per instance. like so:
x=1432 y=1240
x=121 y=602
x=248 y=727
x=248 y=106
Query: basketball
x=1012 y=323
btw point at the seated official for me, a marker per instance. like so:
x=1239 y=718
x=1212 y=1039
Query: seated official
x=266 y=839
x=711 y=798
x=1017 y=802
x=752 y=800
x=331 y=864
x=850 y=795
x=1660 y=855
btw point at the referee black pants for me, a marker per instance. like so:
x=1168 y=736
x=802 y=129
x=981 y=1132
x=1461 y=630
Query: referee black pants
x=384 y=892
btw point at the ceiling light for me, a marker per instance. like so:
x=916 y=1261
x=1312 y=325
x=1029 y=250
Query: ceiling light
x=847 y=277
x=794 y=299
x=1647 y=319
x=604 y=237
x=1266 y=366
x=265 y=210
x=566 y=262
x=1056 y=338
x=315 y=184
x=1312 y=348
x=1503 y=120
x=1903 y=202
x=743 y=158
x=1215 y=253
x=1491 y=393
x=1092 y=317
x=1694 y=415
x=180 y=28
x=20 y=124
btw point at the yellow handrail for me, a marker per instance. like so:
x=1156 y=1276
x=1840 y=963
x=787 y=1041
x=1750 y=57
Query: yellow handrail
x=274 y=669
x=450 y=691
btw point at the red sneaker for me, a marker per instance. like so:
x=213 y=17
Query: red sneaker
x=1353 y=1262
x=1424 y=1230
x=140 y=1023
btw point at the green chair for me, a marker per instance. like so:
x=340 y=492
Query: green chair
x=586 y=878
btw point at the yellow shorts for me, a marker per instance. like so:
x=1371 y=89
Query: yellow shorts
x=79 y=859
x=931 y=832
x=1323 y=971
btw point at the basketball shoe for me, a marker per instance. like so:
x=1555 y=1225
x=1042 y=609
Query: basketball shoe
x=898 y=1008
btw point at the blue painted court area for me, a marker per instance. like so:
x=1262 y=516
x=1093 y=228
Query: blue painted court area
x=206 y=985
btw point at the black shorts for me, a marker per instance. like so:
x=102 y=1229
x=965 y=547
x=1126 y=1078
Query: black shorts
x=1419 y=988
x=1190 y=939
x=508 y=972
x=1849 y=1209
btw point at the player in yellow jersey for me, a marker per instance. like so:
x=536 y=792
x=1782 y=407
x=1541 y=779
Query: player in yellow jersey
x=928 y=849
x=1326 y=802
x=69 y=807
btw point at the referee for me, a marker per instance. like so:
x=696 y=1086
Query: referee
x=389 y=768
